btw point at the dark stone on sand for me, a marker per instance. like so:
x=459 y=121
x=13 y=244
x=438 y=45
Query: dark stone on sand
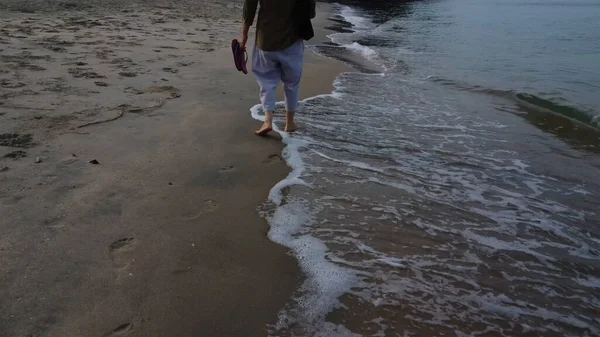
x=4 y=169
x=101 y=84
x=170 y=183
x=94 y=162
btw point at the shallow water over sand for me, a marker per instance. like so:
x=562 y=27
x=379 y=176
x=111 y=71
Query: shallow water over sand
x=424 y=206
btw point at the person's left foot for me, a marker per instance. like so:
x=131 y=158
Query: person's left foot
x=264 y=129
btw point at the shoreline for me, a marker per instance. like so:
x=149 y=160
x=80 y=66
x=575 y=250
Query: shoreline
x=145 y=243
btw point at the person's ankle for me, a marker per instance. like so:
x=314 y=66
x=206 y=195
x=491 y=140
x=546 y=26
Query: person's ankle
x=289 y=117
x=269 y=117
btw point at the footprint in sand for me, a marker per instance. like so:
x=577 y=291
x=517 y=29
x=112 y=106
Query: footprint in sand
x=132 y=90
x=83 y=73
x=184 y=64
x=274 y=158
x=226 y=169
x=103 y=54
x=171 y=70
x=225 y=173
x=170 y=90
x=121 y=254
x=127 y=74
x=121 y=330
x=16 y=140
x=122 y=62
x=8 y=84
x=16 y=155
x=207 y=206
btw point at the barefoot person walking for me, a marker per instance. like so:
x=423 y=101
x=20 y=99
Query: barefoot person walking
x=278 y=53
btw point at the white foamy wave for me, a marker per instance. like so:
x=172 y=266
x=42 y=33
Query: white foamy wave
x=367 y=52
x=353 y=17
x=291 y=154
x=325 y=281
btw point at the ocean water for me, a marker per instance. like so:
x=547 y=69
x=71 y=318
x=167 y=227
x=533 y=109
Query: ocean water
x=451 y=185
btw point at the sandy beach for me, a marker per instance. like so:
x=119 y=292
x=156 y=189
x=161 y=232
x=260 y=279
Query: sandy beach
x=130 y=176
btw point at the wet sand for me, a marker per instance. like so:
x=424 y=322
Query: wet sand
x=130 y=175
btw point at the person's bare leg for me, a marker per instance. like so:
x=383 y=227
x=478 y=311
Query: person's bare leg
x=290 y=125
x=267 y=125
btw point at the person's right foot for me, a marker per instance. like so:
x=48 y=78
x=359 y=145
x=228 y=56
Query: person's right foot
x=264 y=129
x=290 y=127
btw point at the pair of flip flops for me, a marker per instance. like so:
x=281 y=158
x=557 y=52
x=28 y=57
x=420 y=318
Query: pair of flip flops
x=240 y=57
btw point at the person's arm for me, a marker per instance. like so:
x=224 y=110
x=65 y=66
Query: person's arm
x=248 y=18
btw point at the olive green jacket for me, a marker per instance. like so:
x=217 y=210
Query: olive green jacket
x=275 y=27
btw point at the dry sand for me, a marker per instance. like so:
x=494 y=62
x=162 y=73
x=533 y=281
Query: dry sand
x=161 y=237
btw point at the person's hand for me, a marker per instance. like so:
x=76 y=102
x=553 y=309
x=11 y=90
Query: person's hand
x=245 y=30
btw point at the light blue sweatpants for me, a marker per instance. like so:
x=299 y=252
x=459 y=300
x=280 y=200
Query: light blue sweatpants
x=272 y=67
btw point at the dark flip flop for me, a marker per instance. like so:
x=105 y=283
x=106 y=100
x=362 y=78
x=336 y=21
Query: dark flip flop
x=239 y=56
x=235 y=45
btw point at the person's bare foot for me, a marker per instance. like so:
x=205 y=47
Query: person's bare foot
x=290 y=126
x=267 y=125
x=264 y=129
